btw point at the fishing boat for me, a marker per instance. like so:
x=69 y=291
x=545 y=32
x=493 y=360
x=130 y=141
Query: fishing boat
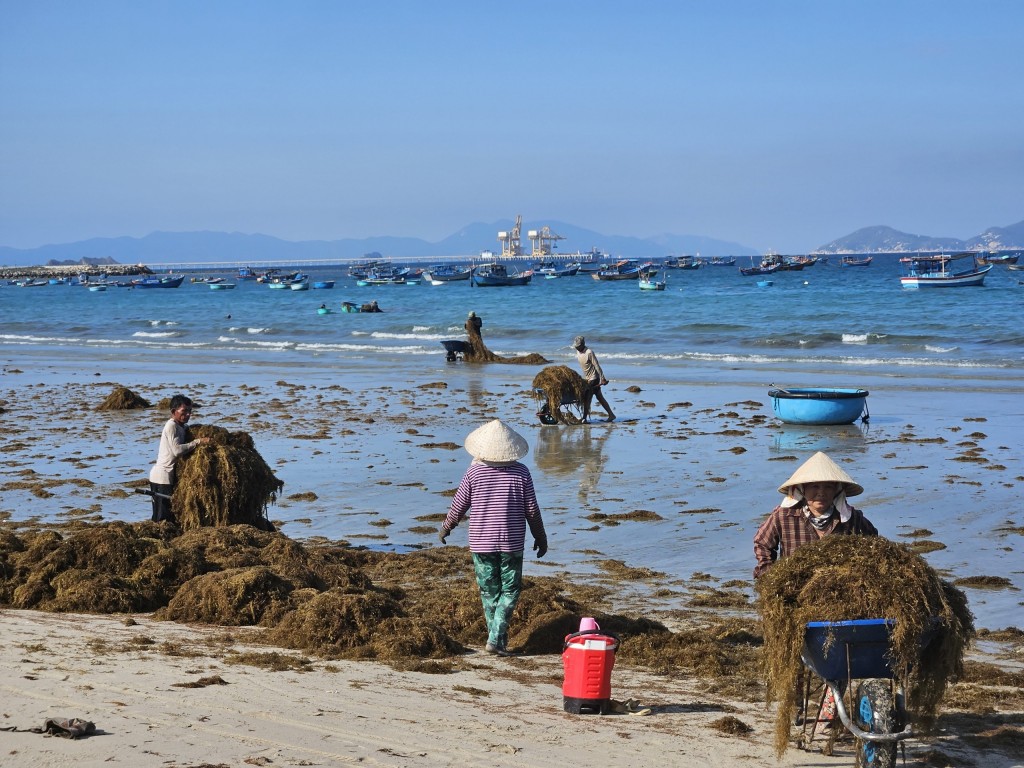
x=649 y=283
x=299 y=283
x=222 y=286
x=159 y=282
x=97 y=287
x=766 y=267
x=997 y=258
x=819 y=406
x=723 y=261
x=495 y=274
x=765 y=283
x=936 y=272
x=1016 y=267
x=323 y=284
x=682 y=262
x=446 y=273
x=856 y=261
x=624 y=269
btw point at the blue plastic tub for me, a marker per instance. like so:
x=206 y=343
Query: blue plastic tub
x=819 y=405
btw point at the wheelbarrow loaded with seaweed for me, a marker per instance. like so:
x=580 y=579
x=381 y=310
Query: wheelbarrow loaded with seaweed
x=855 y=661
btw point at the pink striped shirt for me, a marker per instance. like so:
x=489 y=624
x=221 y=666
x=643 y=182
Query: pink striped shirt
x=503 y=502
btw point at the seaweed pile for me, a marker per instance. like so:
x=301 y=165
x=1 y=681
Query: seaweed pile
x=561 y=384
x=123 y=399
x=841 y=578
x=414 y=611
x=477 y=352
x=224 y=482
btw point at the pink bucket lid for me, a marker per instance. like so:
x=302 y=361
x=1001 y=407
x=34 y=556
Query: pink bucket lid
x=588 y=624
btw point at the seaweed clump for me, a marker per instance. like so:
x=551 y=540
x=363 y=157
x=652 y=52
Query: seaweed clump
x=840 y=578
x=477 y=352
x=224 y=482
x=123 y=399
x=561 y=385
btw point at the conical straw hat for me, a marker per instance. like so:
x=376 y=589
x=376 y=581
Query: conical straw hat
x=496 y=443
x=821 y=469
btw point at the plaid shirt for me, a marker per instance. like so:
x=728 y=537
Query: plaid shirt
x=787 y=529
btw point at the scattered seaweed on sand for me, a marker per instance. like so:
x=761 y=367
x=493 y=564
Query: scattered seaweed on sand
x=224 y=482
x=561 y=384
x=840 y=578
x=123 y=399
x=477 y=352
x=731 y=726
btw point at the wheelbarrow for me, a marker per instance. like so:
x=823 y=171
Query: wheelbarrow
x=844 y=652
x=455 y=348
x=566 y=406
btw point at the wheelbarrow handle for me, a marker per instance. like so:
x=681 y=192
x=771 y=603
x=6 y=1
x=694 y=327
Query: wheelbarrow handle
x=147 y=492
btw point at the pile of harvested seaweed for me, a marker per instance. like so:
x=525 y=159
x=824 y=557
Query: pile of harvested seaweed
x=330 y=600
x=224 y=482
x=841 y=578
x=477 y=352
x=122 y=399
x=561 y=384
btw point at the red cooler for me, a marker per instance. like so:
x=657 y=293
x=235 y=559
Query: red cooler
x=588 y=659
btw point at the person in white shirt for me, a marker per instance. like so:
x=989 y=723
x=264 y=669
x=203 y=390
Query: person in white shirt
x=172 y=446
x=593 y=374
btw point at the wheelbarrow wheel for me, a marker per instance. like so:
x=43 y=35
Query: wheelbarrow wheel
x=874 y=711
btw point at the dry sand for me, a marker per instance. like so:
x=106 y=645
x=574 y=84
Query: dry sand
x=130 y=680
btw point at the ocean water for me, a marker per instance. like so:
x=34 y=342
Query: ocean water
x=945 y=369
x=844 y=323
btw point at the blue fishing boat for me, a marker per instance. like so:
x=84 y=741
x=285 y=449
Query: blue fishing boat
x=935 y=272
x=494 y=274
x=323 y=284
x=446 y=273
x=814 y=406
x=159 y=282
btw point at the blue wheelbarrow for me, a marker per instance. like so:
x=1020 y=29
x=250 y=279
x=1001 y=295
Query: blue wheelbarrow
x=846 y=652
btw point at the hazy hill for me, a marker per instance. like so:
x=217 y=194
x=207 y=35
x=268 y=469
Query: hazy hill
x=161 y=247
x=882 y=239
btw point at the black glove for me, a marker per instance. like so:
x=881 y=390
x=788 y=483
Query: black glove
x=443 y=534
x=540 y=546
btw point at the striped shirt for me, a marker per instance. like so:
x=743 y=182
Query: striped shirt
x=787 y=529
x=503 y=502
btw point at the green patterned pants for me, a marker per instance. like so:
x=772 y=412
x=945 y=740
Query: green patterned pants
x=500 y=578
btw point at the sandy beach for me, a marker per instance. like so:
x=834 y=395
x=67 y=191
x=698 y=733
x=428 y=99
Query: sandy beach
x=369 y=463
x=163 y=694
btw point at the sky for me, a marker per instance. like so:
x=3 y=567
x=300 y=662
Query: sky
x=776 y=125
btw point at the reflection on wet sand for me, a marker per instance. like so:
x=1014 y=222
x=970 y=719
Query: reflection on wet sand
x=579 y=450
x=829 y=439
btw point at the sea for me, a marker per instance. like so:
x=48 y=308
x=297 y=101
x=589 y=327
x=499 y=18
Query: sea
x=689 y=367
x=841 y=322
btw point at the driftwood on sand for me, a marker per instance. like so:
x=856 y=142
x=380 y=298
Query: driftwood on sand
x=477 y=352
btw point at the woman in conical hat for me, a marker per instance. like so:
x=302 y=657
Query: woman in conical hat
x=815 y=505
x=500 y=492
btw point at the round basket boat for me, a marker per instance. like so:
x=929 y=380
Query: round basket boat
x=819 y=405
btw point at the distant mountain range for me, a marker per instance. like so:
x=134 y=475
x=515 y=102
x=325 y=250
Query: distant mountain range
x=889 y=240
x=203 y=247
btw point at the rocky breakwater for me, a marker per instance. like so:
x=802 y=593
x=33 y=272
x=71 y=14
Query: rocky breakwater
x=71 y=271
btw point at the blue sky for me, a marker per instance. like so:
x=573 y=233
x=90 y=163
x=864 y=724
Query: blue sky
x=778 y=125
